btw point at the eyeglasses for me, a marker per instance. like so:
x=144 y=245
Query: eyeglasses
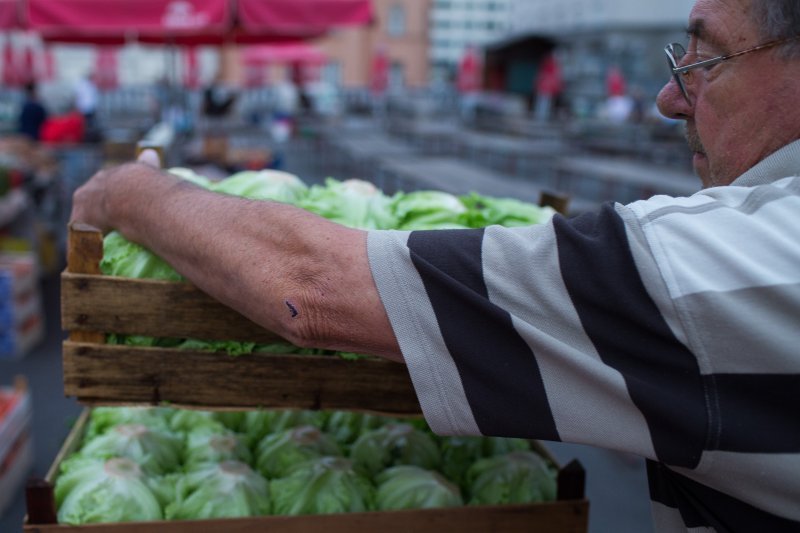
x=676 y=52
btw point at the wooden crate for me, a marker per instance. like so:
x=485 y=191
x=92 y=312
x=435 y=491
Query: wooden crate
x=100 y=374
x=569 y=514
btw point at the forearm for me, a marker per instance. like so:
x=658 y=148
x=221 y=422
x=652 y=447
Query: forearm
x=294 y=273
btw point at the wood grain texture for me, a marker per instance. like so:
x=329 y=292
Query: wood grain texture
x=556 y=517
x=151 y=307
x=84 y=252
x=110 y=375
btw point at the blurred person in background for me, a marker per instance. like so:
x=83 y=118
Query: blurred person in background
x=87 y=98
x=666 y=327
x=32 y=114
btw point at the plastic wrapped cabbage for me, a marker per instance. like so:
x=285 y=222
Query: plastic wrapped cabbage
x=459 y=453
x=353 y=203
x=322 y=486
x=114 y=490
x=421 y=210
x=101 y=419
x=392 y=445
x=157 y=452
x=263 y=185
x=230 y=489
x=258 y=424
x=412 y=487
x=208 y=444
x=516 y=477
x=277 y=453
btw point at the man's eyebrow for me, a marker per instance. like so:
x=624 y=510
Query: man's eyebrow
x=697 y=29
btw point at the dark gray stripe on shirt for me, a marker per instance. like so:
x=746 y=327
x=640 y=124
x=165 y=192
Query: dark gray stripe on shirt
x=630 y=335
x=754 y=414
x=702 y=506
x=500 y=375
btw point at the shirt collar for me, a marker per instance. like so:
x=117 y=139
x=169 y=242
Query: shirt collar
x=781 y=164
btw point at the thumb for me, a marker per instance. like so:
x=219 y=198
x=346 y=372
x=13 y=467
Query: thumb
x=149 y=157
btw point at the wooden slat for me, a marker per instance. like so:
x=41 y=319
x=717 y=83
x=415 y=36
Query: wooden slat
x=556 y=517
x=84 y=252
x=151 y=307
x=108 y=375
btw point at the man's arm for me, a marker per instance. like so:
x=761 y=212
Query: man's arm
x=293 y=272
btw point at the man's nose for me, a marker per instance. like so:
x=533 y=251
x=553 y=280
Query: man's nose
x=671 y=102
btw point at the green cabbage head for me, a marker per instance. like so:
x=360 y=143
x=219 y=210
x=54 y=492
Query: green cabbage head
x=395 y=444
x=230 y=489
x=113 y=490
x=516 y=477
x=412 y=487
x=324 y=485
x=279 y=452
x=157 y=452
x=209 y=444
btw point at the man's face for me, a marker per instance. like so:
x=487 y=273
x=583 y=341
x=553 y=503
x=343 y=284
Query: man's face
x=740 y=110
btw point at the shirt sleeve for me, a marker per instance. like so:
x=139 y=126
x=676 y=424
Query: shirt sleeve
x=543 y=332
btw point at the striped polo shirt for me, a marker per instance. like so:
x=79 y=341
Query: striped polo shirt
x=667 y=328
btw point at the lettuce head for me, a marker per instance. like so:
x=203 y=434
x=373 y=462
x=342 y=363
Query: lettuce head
x=516 y=477
x=277 y=453
x=395 y=444
x=412 y=487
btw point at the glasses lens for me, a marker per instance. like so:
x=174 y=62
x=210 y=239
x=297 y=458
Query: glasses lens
x=675 y=53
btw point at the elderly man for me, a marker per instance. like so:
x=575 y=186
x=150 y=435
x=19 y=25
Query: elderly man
x=666 y=328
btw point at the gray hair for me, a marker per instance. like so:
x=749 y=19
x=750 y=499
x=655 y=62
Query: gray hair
x=779 y=19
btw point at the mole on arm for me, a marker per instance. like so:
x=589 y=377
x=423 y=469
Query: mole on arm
x=292 y=309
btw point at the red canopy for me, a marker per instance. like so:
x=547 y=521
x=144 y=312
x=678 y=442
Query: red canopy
x=9 y=14
x=116 y=21
x=301 y=17
x=189 y=22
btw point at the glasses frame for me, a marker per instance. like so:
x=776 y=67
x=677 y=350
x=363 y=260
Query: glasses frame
x=679 y=73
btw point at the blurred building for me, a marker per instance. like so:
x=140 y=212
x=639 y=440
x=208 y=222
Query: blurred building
x=590 y=38
x=458 y=24
x=400 y=31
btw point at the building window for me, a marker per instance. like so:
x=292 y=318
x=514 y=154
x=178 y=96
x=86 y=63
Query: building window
x=396 y=24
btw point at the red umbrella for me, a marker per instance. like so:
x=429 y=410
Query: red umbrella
x=469 y=72
x=379 y=78
x=105 y=70
x=191 y=68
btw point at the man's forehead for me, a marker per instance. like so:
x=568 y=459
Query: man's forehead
x=720 y=22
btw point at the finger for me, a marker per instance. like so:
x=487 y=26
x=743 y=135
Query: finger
x=149 y=157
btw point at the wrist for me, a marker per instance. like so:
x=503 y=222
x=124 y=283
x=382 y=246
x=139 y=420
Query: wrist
x=134 y=191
